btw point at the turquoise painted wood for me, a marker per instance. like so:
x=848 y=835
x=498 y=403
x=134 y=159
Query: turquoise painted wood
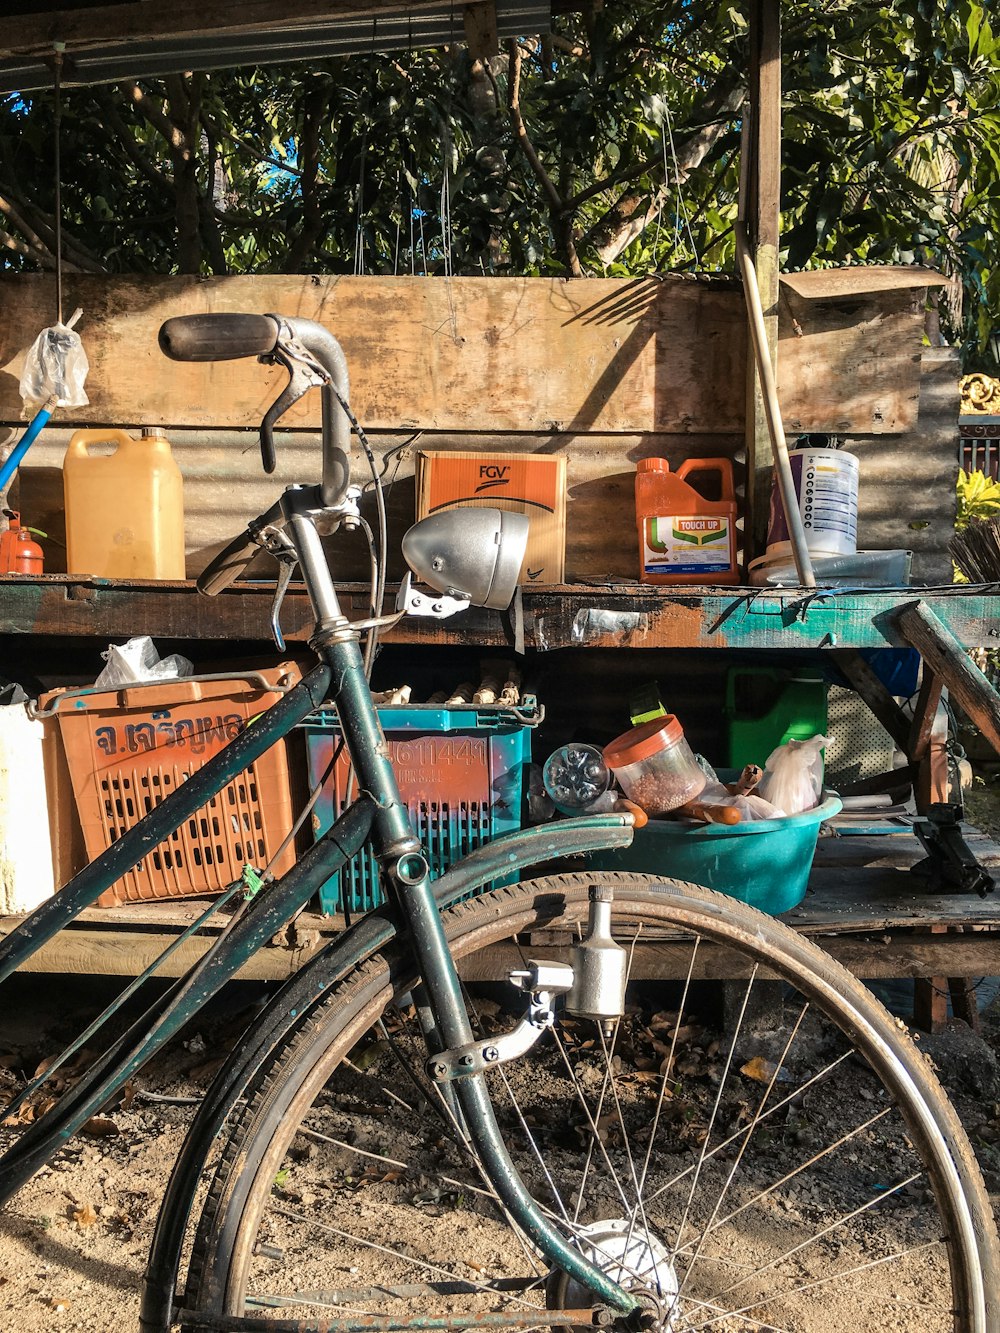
x=623 y=616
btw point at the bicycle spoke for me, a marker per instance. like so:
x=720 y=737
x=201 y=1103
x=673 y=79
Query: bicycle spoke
x=711 y=1124
x=804 y=1166
x=778 y=1106
x=825 y=1281
x=707 y=1229
x=732 y=1209
x=826 y=1231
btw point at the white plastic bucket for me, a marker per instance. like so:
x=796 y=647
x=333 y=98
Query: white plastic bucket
x=826 y=483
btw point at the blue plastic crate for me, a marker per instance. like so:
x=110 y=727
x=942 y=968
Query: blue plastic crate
x=460 y=770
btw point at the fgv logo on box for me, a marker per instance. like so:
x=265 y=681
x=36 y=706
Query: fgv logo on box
x=492 y=475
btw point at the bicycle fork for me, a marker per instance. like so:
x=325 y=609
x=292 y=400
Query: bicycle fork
x=406 y=870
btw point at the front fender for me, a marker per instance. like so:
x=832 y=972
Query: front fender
x=500 y=859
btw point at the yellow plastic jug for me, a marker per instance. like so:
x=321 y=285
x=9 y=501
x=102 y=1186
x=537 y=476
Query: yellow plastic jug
x=124 y=506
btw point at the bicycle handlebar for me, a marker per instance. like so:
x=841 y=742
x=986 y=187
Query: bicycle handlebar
x=218 y=337
x=312 y=356
x=226 y=567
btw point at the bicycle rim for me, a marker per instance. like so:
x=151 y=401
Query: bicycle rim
x=802 y=1173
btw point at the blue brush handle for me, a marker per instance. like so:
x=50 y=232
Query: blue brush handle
x=24 y=444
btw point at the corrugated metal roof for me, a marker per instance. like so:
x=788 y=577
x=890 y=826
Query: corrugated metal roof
x=401 y=30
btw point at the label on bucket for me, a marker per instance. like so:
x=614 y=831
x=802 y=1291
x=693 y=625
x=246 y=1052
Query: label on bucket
x=826 y=482
x=686 y=544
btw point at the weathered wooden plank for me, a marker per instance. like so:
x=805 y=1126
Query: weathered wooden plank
x=883 y=957
x=486 y=354
x=553 y=618
x=907 y=492
x=126 y=953
x=432 y=354
x=837 y=386
x=860 y=279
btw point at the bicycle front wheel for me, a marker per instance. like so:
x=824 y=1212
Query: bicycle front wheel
x=805 y=1172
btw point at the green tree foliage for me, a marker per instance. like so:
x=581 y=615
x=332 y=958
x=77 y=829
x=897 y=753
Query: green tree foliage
x=608 y=146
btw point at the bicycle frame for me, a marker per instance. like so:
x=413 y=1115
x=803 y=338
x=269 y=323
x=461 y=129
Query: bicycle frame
x=380 y=814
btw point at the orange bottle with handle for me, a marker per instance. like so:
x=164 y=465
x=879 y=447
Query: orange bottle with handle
x=124 y=506
x=684 y=538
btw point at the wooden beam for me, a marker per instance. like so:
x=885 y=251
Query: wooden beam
x=107 y=952
x=944 y=654
x=883 y=957
x=924 y=715
x=553 y=617
x=762 y=205
x=81 y=27
x=460 y=354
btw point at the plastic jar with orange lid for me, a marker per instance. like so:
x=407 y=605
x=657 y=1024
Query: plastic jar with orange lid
x=655 y=766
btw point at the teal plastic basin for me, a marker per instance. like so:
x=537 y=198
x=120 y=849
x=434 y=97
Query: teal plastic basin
x=765 y=863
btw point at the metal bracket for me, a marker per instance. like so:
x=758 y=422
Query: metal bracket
x=950 y=865
x=543 y=981
x=413 y=603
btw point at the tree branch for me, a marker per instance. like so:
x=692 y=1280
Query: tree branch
x=627 y=220
x=125 y=139
x=42 y=248
x=560 y=216
x=41 y=256
x=715 y=115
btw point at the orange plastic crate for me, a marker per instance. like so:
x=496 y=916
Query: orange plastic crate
x=128 y=749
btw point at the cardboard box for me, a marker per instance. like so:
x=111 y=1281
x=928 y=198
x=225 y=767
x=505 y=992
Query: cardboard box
x=532 y=484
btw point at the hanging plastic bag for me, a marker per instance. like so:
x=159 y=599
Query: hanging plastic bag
x=793 y=777
x=55 y=368
x=137 y=661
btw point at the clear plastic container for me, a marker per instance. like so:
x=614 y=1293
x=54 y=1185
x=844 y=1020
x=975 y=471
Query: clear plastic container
x=655 y=766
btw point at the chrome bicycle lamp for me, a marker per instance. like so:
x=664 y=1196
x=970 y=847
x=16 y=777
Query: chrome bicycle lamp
x=468 y=555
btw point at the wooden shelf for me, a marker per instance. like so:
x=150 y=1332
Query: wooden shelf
x=620 y=616
x=863 y=906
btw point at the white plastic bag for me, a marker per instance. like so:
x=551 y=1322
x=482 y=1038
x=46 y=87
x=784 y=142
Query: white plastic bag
x=136 y=661
x=56 y=367
x=793 y=777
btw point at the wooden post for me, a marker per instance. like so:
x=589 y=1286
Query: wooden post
x=944 y=662
x=762 y=203
x=944 y=655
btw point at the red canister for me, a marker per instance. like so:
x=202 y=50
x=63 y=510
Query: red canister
x=19 y=552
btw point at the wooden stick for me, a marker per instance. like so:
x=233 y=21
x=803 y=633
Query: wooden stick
x=772 y=411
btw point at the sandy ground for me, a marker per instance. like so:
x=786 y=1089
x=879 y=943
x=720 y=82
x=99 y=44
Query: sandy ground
x=74 y=1241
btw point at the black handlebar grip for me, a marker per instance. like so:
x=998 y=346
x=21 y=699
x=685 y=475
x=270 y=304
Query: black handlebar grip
x=228 y=565
x=218 y=337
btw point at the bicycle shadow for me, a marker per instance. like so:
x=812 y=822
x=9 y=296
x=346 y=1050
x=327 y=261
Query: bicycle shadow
x=40 y=1245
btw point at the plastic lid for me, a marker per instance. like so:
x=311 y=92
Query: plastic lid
x=652 y=465
x=643 y=741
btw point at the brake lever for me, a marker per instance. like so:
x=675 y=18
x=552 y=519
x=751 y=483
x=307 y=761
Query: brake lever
x=277 y=544
x=286 y=568
x=304 y=373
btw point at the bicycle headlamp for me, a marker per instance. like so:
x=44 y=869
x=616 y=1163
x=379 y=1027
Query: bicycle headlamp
x=473 y=553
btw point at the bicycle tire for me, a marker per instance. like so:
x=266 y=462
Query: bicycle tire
x=299 y=1073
